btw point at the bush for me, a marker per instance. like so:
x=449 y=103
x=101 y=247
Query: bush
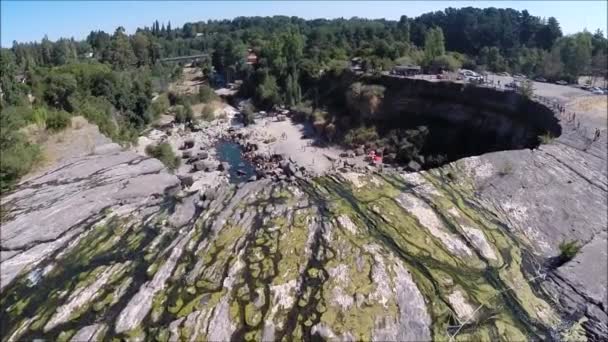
x=444 y=62
x=184 y=114
x=58 y=120
x=164 y=153
x=127 y=135
x=206 y=94
x=546 y=138
x=38 y=116
x=568 y=249
x=526 y=89
x=248 y=115
x=16 y=161
x=207 y=113
x=160 y=106
x=98 y=110
x=303 y=111
x=361 y=136
x=18 y=155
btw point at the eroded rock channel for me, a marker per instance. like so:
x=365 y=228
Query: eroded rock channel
x=106 y=247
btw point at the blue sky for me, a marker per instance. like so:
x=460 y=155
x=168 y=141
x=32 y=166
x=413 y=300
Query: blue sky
x=31 y=20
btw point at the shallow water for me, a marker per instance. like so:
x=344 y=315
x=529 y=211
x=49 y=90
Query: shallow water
x=240 y=169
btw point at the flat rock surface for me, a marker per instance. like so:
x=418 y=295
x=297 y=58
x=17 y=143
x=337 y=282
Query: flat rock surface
x=43 y=210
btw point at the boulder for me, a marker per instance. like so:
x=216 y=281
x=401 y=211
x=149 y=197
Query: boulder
x=288 y=168
x=223 y=166
x=420 y=159
x=200 y=156
x=359 y=151
x=209 y=194
x=413 y=166
x=187 y=144
x=186 y=154
x=199 y=166
x=186 y=181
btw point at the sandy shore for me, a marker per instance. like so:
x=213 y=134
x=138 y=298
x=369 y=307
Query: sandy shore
x=296 y=141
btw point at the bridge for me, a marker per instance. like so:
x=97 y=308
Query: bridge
x=185 y=58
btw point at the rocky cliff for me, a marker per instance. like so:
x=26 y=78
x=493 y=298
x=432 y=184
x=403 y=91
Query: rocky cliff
x=104 y=246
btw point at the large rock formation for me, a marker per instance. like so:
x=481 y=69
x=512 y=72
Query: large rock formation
x=102 y=247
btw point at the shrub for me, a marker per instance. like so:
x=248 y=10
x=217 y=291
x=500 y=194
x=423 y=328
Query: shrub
x=164 y=153
x=568 y=249
x=184 y=114
x=160 y=105
x=526 y=89
x=207 y=113
x=360 y=136
x=444 y=62
x=546 y=138
x=98 y=110
x=39 y=116
x=206 y=94
x=127 y=135
x=248 y=115
x=58 y=120
x=303 y=111
x=18 y=155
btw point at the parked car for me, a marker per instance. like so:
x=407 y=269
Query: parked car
x=586 y=87
x=561 y=82
x=540 y=79
x=468 y=73
x=598 y=92
x=519 y=76
x=503 y=74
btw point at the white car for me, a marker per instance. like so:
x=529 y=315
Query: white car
x=597 y=91
x=469 y=73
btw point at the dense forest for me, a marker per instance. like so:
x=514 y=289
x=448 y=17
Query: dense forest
x=111 y=78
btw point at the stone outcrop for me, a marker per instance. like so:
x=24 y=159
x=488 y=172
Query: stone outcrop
x=47 y=212
x=103 y=246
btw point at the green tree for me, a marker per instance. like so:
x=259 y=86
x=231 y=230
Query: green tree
x=59 y=88
x=404 y=28
x=141 y=47
x=267 y=92
x=491 y=57
x=434 y=45
x=575 y=51
x=121 y=54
